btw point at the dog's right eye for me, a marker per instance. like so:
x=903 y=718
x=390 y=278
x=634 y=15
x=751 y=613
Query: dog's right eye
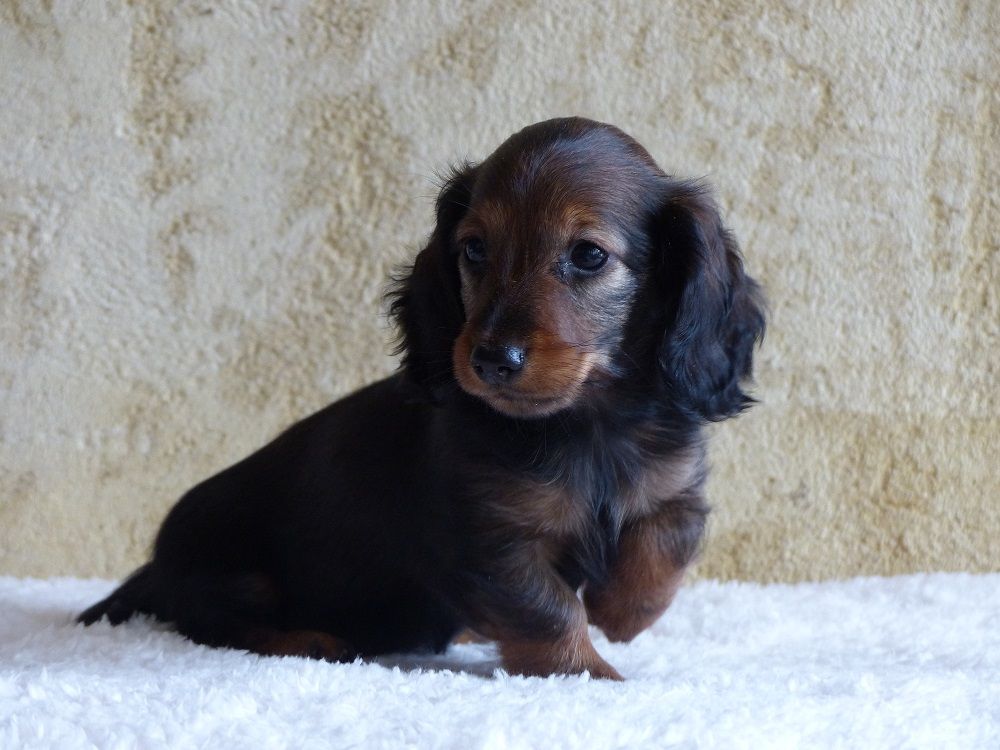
x=588 y=257
x=475 y=250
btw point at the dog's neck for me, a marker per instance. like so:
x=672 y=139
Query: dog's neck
x=599 y=427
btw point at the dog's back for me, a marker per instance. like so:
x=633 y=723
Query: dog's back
x=328 y=528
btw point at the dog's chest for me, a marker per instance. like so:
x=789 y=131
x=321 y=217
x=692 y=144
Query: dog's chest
x=539 y=508
x=660 y=480
x=570 y=500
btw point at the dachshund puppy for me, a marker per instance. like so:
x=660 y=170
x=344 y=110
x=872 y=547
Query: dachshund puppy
x=538 y=463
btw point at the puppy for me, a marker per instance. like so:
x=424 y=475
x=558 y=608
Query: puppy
x=538 y=463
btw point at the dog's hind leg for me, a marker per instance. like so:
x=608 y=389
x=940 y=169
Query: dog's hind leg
x=312 y=644
x=240 y=611
x=243 y=611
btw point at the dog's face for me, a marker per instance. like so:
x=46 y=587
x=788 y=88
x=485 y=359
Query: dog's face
x=527 y=294
x=549 y=270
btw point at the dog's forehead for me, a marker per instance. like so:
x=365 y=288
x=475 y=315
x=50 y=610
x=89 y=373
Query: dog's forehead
x=595 y=177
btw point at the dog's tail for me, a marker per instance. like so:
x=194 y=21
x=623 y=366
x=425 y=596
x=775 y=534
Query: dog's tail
x=133 y=596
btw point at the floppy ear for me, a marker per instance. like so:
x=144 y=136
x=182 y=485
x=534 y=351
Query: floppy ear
x=425 y=299
x=715 y=311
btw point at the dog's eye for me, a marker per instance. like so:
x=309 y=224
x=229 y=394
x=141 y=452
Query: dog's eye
x=587 y=256
x=475 y=250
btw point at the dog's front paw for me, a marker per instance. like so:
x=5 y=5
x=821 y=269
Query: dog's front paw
x=544 y=658
x=620 y=622
x=602 y=670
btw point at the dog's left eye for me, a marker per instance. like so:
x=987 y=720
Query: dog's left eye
x=587 y=256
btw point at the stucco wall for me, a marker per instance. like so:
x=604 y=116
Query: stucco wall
x=199 y=205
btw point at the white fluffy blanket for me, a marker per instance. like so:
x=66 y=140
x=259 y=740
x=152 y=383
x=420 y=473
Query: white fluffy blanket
x=869 y=663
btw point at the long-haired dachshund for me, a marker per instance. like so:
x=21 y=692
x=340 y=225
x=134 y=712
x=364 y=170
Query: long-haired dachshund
x=538 y=463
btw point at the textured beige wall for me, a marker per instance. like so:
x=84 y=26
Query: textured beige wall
x=199 y=204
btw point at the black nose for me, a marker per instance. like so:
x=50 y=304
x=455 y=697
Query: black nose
x=497 y=364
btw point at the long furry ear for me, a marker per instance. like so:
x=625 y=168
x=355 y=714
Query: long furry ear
x=425 y=299
x=715 y=310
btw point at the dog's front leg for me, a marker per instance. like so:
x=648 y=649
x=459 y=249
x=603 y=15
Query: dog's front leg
x=653 y=553
x=537 y=619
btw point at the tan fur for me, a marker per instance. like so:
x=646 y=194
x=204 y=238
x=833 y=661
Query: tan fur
x=552 y=379
x=538 y=509
x=310 y=644
x=664 y=478
x=573 y=653
x=641 y=586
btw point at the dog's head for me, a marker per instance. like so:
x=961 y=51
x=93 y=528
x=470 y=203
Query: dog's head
x=568 y=260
